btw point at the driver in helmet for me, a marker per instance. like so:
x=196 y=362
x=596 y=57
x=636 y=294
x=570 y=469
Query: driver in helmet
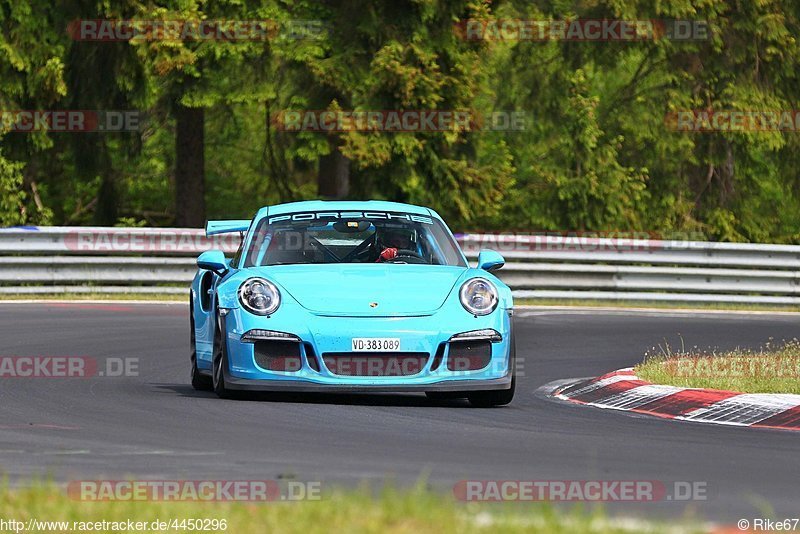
x=391 y=241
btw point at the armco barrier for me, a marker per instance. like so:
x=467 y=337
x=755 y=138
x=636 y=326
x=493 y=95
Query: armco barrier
x=147 y=260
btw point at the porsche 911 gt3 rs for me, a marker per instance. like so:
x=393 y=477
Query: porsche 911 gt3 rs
x=336 y=296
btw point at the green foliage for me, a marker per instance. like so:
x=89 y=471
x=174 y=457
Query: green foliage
x=15 y=209
x=595 y=154
x=12 y=198
x=591 y=188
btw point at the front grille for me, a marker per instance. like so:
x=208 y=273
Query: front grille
x=469 y=355
x=278 y=355
x=375 y=363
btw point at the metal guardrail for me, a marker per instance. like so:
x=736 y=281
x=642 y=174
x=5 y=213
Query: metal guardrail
x=145 y=260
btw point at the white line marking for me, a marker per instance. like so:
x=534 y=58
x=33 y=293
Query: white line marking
x=596 y=385
x=533 y=311
x=746 y=409
x=638 y=396
x=81 y=301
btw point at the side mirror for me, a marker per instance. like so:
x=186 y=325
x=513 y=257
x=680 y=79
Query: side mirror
x=213 y=260
x=489 y=260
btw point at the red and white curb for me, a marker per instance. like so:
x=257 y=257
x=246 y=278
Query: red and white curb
x=623 y=390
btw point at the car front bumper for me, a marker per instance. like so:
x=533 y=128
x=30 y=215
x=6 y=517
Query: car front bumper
x=305 y=386
x=320 y=335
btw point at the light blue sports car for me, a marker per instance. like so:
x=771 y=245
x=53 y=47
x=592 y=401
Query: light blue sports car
x=334 y=296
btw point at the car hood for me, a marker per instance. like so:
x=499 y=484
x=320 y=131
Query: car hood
x=367 y=290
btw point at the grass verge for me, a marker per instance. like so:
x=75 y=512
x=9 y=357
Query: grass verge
x=414 y=511
x=769 y=369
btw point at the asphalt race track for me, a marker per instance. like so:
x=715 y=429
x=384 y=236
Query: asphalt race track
x=155 y=426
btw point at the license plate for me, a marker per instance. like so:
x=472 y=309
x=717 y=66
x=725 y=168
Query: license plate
x=376 y=344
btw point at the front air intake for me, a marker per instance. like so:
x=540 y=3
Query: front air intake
x=281 y=356
x=469 y=355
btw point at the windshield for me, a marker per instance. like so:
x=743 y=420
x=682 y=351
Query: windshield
x=352 y=237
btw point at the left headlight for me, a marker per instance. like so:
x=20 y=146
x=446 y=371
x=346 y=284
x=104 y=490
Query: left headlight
x=259 y=296
x=478 y=296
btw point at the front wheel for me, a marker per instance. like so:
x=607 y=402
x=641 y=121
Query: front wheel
x=200 y=382
x=487 y=399
x=500 y=397
x=445 y=395
x=219 y=364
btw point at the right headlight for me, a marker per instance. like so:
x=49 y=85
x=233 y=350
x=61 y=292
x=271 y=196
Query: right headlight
x=478 y=296
x=259 y=296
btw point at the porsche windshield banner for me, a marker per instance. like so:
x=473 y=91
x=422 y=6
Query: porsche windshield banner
x=339 y=215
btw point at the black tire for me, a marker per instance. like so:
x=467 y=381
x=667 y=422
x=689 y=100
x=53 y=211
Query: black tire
x=445 y=395
x=219 y=365
x=200 y=382
x=488 y=399
x=498 y=397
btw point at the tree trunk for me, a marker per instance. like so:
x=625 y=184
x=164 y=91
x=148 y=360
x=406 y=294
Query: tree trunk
x=106 y=212
x=106 y=209
x=333 y=180
x=190 y=201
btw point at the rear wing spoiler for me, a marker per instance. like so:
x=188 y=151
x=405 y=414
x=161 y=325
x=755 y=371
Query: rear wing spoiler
x=226 y=227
